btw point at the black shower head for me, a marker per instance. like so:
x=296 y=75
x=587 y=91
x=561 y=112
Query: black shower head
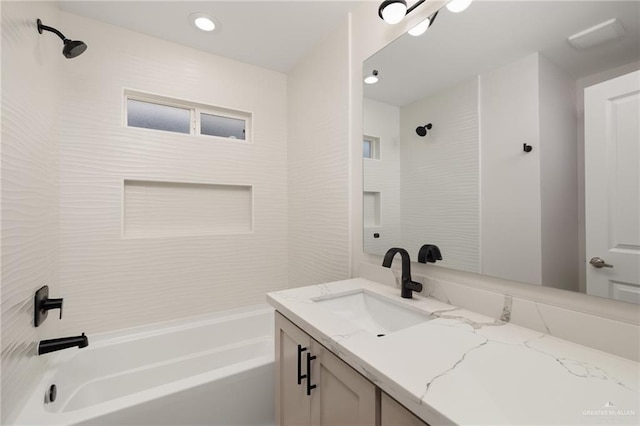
x=72 y=48
x=422 y=130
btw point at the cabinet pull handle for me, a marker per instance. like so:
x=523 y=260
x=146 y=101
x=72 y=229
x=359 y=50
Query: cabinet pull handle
x=310 y=387
x=300 y=375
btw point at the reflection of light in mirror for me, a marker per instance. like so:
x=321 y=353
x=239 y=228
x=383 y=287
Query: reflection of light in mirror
x=420 y=29
x=456 y=6
x=372 y=78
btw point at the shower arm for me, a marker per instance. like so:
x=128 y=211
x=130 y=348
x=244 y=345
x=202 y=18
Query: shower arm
x=53 y=30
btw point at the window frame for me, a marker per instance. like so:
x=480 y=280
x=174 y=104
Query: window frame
x=374 y=144
x=195 y=109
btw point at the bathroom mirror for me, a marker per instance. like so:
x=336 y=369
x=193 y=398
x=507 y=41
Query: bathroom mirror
x=475 y=140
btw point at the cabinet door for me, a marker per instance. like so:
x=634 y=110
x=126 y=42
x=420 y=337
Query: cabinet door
x=293 y=406
x=394 y=414
x=342 y=396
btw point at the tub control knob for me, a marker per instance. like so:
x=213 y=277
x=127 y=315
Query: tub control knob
x=42 y=304
x=51 y=394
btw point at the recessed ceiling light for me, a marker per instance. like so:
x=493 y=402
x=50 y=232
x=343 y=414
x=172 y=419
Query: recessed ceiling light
x=203 y=21
x=372 y=78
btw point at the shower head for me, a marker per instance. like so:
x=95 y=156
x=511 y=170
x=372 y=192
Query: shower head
x=422 y=130
x=72 y=48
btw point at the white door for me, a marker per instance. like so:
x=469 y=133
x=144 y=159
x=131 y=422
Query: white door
x=612 y=199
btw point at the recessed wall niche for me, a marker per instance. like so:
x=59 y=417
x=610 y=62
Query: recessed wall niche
x=170 y=209
x=371 y=208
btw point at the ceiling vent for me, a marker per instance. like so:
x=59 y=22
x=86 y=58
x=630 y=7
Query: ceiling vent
x=598 y=34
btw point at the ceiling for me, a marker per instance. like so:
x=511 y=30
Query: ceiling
x=270 y=34
x=494 y=33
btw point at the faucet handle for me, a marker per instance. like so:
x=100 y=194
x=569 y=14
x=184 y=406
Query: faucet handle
x=48 y=304
x=42 y=304
x=429 y=253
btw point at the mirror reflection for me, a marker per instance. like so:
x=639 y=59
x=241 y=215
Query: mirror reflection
x=508 y=136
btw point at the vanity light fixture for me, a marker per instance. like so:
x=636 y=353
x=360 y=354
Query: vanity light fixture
x=423 y=26
x=372 y=78
x=393 y=11
x=457 y=6
x=203 y=21
x=422 y=130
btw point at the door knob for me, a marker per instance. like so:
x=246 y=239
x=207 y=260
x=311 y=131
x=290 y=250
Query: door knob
x=599 y=262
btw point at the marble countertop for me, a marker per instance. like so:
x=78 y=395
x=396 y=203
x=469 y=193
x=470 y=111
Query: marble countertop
x=460 y=367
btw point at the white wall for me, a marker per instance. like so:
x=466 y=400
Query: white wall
x=510 y=188
x=383 y=175
x=440 y=183
x=30 y=80
x=558 y=177
x=111 y=282
x=529 y=200
x=318 y=163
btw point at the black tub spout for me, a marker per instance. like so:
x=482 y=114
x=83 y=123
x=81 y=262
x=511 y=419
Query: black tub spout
x=53 y=345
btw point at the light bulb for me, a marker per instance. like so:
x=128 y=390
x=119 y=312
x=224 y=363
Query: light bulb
x=456 y=6
x=205 y=24
x=203 y=21
x=420 y=28
x=394 y=12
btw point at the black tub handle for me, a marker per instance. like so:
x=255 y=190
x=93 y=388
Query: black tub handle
x=300 y=375
x=310 y=387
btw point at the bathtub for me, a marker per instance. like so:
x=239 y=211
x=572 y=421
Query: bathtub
x=212 y=370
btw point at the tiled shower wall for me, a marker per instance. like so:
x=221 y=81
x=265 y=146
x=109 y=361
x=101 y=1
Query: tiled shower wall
x=318 y=169
x=114 y=279
x=29 y=189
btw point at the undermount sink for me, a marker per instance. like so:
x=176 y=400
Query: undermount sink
x=376 y=314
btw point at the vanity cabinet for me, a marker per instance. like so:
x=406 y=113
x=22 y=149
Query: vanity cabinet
x=314 y=387
x=394 y=414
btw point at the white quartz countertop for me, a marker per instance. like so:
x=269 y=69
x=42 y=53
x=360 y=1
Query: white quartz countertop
x=465 y=368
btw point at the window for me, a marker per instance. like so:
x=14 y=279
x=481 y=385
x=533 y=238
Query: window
x=171 y=115
x=371 y=147
x=156 y=116
x=226 y=127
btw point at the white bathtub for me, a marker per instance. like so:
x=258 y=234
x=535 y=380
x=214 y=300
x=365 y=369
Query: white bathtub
x=214 y=370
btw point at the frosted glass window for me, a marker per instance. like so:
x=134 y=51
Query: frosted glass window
x=159 y=117
x=367 y=149
x=371 y=147
x=226 y=127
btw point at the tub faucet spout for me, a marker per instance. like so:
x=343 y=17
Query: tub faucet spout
x=52 y=345
x=407 y=285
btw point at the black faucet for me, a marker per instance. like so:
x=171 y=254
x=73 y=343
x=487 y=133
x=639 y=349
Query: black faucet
x=46 y=346
x=429 y=253
x=407 y=287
